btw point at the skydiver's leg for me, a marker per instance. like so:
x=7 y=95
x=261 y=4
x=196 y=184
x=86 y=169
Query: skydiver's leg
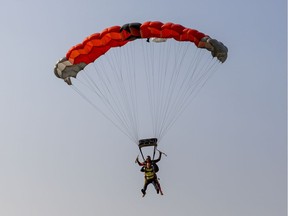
x=155 y=186
x=159 y=186
x=144 y=187
x=147 y=182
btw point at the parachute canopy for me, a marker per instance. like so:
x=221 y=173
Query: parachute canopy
x=98 y=44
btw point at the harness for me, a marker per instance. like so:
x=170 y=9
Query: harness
x=149 y=173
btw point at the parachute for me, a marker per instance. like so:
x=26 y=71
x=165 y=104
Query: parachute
x=127 y=72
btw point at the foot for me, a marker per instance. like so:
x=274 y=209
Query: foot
x=143 y=192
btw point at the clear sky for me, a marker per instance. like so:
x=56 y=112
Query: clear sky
x=226 y=153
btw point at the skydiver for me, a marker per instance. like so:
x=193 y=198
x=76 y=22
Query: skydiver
x=149 y=167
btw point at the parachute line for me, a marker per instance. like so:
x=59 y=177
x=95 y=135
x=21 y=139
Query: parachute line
x=156 y=78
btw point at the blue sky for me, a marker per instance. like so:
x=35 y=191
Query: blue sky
x=226 y=153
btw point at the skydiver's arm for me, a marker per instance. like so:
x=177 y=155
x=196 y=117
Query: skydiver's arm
x=139 y=163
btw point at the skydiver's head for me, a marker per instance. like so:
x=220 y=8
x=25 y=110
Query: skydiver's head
x=148 y=159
